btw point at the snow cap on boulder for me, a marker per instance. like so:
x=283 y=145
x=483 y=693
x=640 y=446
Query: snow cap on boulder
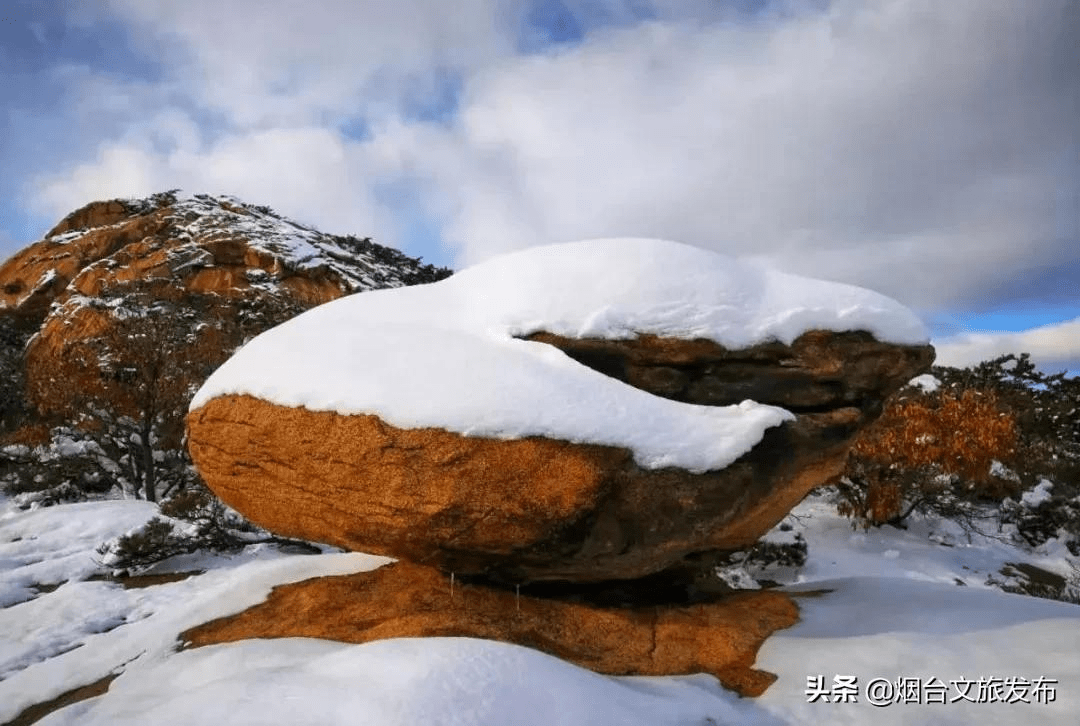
x=449 y=355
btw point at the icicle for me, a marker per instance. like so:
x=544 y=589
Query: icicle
x=517 y=597
x=451 y=585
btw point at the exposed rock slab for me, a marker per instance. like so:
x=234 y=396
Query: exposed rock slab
x=517 y=510
x=406 y=600
x=819 y=371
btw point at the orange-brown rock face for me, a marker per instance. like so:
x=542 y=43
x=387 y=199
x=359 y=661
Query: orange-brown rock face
x=521 y=510
x=67 y=286
x=405 y=600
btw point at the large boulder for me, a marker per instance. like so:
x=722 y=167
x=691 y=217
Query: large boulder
x=514 y=510
x=578 y=412
x=720 y=637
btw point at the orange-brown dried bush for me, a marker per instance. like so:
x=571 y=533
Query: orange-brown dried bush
x=32 y=434
x=960 y=434
x=925 y=446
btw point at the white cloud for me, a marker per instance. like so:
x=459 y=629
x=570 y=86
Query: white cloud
x=306 y=173
x=915 y=147
x=1053 y=347
x=254 y=96
x=264 y=63
x=905 y=146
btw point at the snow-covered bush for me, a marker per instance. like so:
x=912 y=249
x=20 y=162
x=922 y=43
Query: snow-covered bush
x=1041 y=515
x=47 y=466
x=193 y=520
x=762 y=564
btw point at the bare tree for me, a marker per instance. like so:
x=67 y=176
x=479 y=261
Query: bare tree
x=128 y=386
x=13 y=407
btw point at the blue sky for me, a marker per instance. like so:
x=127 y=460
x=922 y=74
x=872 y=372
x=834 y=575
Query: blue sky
x=928 y=150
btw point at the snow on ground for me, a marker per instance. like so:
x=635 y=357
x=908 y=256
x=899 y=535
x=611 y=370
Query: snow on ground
x=468 y=682
x=932 y=644
x=457 y=681
x=931 y=549
x=445 y=355
x=927 y=383
x=884 y=604
x=85 y=630
x=53 y=545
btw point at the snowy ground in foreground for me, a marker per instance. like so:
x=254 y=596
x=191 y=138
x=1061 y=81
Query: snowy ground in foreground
x=894 y=611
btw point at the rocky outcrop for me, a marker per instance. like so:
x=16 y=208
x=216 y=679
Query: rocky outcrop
x=217 y=261
x=541 y=509
x=102 y=214
x=200 y=243
x=720 y=637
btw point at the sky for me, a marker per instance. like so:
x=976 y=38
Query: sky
x=928 y=150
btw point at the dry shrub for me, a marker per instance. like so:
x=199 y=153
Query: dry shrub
x=35 y=434
x=883 y=501
x=961 y=434
x=929 y=448
x=193 y=520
